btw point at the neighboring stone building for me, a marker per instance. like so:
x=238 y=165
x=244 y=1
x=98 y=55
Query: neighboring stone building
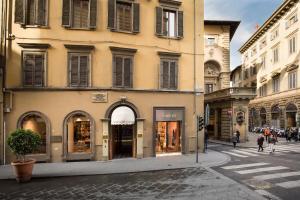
x=106 y=79
x=236 y=77
x=274 y=50
x=228 y=106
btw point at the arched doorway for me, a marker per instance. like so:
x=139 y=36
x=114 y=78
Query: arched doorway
x=263 y=117
x=123 y=137
x=291 y=114
x=78 y=136
x=275 y=116
x=40 y=124
x=212 y=73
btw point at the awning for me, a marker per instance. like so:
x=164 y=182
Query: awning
x=122 y=115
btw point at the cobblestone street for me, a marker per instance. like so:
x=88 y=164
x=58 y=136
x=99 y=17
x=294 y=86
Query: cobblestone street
x=190 y=183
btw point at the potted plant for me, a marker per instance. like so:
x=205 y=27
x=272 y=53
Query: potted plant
x=23 y=142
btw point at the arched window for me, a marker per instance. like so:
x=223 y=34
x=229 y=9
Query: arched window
x=291 y=108
x=263 y=116
x=291 y=114
x=275 y=116
x=38 y=123
x=78 y=136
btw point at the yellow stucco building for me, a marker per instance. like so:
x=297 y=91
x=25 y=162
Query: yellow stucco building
x=105 y=79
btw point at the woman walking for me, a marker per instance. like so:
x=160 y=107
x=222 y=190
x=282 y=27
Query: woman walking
x=272 y=142
x=260 y=142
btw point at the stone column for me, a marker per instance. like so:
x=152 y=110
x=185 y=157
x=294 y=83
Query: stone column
x=140 y=139
x=105 y=139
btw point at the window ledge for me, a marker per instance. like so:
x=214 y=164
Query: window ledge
x=170 y=38
x=124 y=32
x=35 y=26
x=80 y=29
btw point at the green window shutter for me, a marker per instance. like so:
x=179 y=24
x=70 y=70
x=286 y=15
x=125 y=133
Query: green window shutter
x=118 y=72
x=39 y=71
x=66 y=13
x=159 y=16
x=165 y=74
x=180 y=24
x=93 y=13
x=20 y=12
x=111 y=14
x=74 y=70
x=41 y=13
x=136 y=17
x=127 y=72
x=84 y=71
x=173 y=75
x=28 y=69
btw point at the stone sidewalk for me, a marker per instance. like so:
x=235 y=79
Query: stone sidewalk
x=212 y=158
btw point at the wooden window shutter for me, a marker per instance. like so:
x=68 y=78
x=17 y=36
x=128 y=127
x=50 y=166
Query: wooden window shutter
x=84 y=71
x=165 y=74
x=127 y=72
x=20 y=11
x=118 y=72
x=180 y=24
x=28 y=68
x=111 y=14
x=41 y=13
x=173 y=84
x=93 y=13
x=66 y=13
x=74 y=70
x=136 y=17
x=39 y=70
x=159 y=16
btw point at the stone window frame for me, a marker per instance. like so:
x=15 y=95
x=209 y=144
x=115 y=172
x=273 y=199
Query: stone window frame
x=292 y=44
x=276 y=79
x=112 y=16
x=39 y=157
x=123 y=53
x=173 y=6
x=169 y=57
x=21 y=17
x=206 y=91
x=292 y=85
x=276 y=56
x=78 y=156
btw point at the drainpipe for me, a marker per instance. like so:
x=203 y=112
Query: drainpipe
x=195 y=83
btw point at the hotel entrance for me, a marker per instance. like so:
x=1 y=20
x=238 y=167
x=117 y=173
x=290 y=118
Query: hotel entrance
x=168 y=131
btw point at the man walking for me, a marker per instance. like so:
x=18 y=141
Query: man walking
x=260 y=142
x=238 y=134
x=234 y=139
x=272 y=143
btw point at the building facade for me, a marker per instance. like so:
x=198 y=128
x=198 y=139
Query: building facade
x=227 y=105
x=105 y=79
x=274 y=50
x=236 y=77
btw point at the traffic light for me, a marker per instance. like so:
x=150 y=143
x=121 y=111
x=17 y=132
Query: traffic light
x=200 y=123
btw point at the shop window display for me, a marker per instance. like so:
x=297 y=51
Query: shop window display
x=168 y=137
x=37 y=125
x=79 y=141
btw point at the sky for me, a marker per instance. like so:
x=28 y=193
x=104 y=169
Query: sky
x=250 y=12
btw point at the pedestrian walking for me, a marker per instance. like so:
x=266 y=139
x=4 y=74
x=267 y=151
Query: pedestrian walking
x=260 y=142
x=234 y=139
x=267 y=134
x=238 y=134
x=205 y=139
x=272 y=143
x=289 y=135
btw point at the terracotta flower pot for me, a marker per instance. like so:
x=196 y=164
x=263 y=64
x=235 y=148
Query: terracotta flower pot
x=23 y=171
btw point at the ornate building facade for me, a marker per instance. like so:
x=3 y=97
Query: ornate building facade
x=274 y=51
x=105 y=79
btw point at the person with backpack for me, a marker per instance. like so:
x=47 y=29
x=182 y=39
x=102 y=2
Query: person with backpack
x=260 y=142
x=272 y=142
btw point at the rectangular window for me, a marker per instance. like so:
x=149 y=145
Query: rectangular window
x=211 y=41
x=292 y=45
x=31 y=12
x=33 y=69
x=292 y=80
x=168 y=74
x=263 y=62
x=123 y=71
x=276 y=82
x=124 y=16
x=169 y=22
x=276 y=55
x=80 y=18
x=274 y=34
x=263 y=43
x=79 y=14
x=263 y=90
x=209 y=88
x=290 y=21
x=79 y=69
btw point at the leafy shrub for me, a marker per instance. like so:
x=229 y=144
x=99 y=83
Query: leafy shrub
x=23 y=142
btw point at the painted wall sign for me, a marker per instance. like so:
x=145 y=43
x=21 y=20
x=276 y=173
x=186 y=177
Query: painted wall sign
x=99 y=97
x=169 y=115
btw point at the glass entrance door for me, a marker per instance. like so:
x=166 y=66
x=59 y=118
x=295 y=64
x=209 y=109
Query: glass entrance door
x=168 y=137
x=122 y=139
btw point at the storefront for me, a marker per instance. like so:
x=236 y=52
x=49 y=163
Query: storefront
x=169 y=130
x=291 y=114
